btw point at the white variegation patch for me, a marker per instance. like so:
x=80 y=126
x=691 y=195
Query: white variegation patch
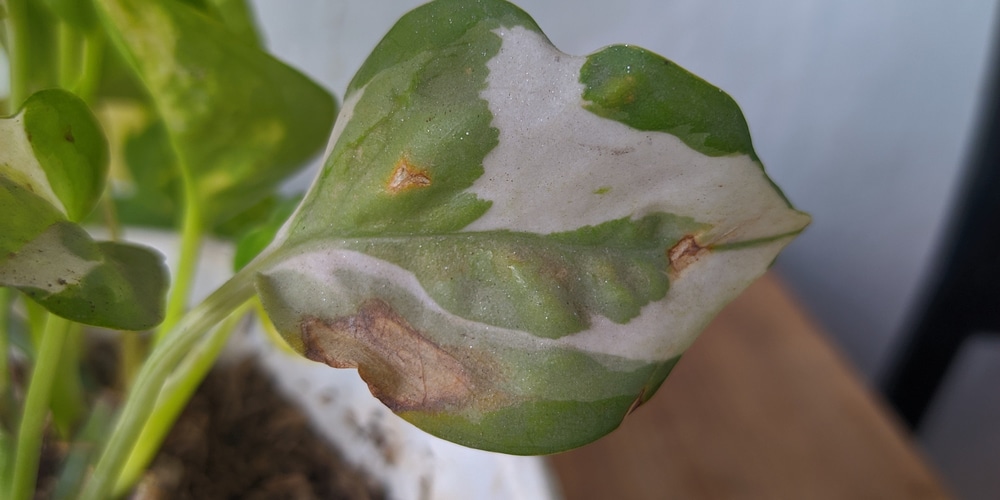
x=667 y=327
x=19 y=164
x=33 y=265
x=559 y=167
x=663 y=330
x=319 y=288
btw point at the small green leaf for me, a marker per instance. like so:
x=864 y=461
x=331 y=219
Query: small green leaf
x=115 y=285
x=55 y=147
x=512 y=245
x=56 y=263
x=145 y=180
x=238 y=120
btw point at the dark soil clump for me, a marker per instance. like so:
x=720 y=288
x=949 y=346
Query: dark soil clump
x=239 y=438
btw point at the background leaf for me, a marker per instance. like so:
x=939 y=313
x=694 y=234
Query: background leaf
x=257 y=237
x=78 y=13
x=239 y=121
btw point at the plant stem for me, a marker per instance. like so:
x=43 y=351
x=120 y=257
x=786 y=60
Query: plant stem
x=82 y=449
x=165 y=359
x=173 y=397
x=93 y=58
x=38 y=317
x=132 y=352
x=6 y=301
x=69 y=55
x=17 y=51
x=192 y=233
x=36 y=405
x=69 y=403
x=6 y=398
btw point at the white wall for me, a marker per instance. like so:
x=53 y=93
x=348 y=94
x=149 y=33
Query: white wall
x=861 y=110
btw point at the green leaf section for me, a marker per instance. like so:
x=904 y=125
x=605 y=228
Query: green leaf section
x=435 y=26
x=530 y=428
x=56 y=263
x=238 y=120
x=236 y=15
x=548 y=285
x=643 y=90
x=55 y=148
x=253 y=241
x=25 y=216
x=150 y=192
x=415 y=138
x=540 y=426
x=70 y=147
x=77 y=13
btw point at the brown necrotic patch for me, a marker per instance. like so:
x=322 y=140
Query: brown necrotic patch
x=402 y=367
x=687 y=251
x=406 y=177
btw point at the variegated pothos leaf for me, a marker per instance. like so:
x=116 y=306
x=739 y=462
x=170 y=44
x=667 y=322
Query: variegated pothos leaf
x=513 y=245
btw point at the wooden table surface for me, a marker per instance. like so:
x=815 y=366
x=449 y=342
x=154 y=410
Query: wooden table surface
x=761 y=406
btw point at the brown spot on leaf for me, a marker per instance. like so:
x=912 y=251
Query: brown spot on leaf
x=406 y=177
x=69 y=135
x=687 y=251
x=402 y=367
x=639 y=400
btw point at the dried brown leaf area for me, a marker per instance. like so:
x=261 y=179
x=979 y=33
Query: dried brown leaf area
x=406 y=177
x=687 y=251
x=403 y=368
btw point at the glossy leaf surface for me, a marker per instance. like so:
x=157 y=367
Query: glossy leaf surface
x=513 y=245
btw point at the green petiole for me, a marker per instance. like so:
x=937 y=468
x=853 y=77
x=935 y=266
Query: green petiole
x=36 y=406
x=197 y=327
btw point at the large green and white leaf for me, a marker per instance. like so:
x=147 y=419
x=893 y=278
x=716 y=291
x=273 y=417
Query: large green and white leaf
x=53 y=161
x=237 y=119
x=513 y=245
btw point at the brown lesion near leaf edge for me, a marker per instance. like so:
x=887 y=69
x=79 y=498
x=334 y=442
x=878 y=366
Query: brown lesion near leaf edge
x=407 y=176
x=682 y=255
x=402 y=367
